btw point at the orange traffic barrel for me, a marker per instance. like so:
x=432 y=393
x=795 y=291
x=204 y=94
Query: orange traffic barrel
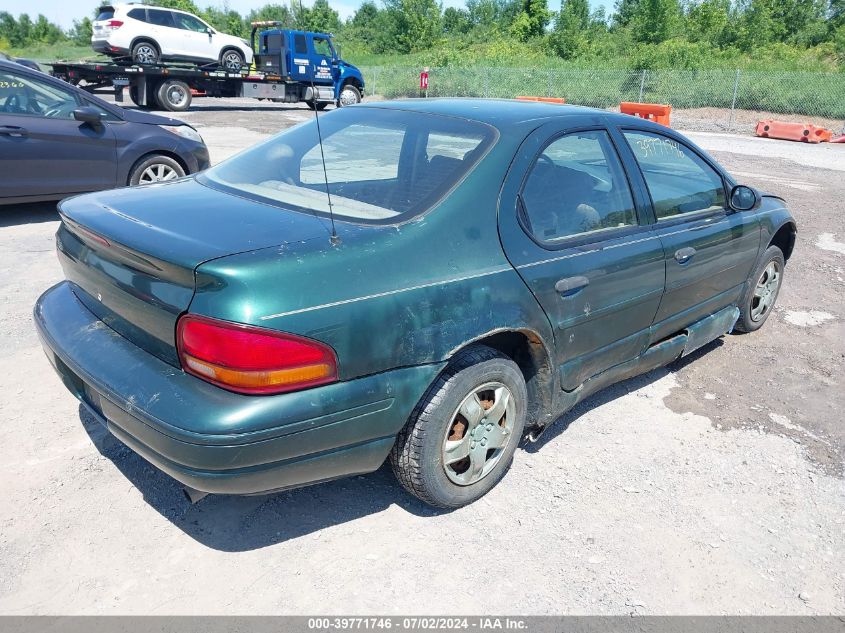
x=542 y=99
x=651 y=111
x=802 y=132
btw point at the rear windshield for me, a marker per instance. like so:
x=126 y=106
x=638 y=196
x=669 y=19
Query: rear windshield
x=382 y=166
x=106 y=13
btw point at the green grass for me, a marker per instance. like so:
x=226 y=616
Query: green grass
x=53 y=52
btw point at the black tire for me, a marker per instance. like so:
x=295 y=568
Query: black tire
x=320 y=105
x=151 y=97
x=349 y=95
x=417 y=456
x=232 y=60
x=751 y=318
x=174 y=95
x=138 y=174
x=145 y=53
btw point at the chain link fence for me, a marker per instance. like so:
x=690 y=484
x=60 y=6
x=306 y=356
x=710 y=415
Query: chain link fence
x=729 y=91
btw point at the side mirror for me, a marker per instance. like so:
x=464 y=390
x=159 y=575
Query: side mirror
x=89 y=115
x=210 y=31
x=744 y=198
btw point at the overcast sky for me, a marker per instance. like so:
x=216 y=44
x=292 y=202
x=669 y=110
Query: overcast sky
x=64 y=13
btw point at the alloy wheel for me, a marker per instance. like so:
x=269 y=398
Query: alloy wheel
x=145 y=54
x=232 y=61
x=157 y=172
x=478 y=433
x=766 y=291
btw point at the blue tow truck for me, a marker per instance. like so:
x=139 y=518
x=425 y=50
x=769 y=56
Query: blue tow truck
x=290 y=66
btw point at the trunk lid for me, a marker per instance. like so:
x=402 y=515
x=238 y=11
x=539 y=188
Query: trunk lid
x=132 y=253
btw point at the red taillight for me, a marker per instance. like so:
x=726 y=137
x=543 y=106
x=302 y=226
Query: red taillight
x=252 y=360
x=114 y=24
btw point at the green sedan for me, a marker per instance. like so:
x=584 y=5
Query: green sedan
x=435 y=282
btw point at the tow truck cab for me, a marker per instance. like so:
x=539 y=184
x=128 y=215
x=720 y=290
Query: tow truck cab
x=306 y=57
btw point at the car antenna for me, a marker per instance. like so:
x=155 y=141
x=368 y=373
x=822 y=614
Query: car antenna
x=333 y=238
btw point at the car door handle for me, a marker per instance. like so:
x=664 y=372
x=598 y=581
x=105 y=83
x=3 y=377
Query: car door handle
x=570 y=285
x=13 y=130
x=683 y=255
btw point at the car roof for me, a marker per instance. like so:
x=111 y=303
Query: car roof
x=140 y=5
x=500 y=113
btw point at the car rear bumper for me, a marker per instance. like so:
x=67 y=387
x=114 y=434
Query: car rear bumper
x=103 y=46
x=213 y=440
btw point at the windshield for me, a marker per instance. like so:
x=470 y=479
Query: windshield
x=383 y=166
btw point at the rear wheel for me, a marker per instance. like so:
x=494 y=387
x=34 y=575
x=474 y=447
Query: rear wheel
x=460 y=440
x=151 y=96
x=155 y=168
x=174 y=95
x=349 y=95
x=145 y=53
x=762 y=291
x=232 y=60
x=319 y=105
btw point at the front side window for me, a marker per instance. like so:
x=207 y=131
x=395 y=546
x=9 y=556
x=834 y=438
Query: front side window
x=678 y=179
x=22 y=95
x=189 y=22
x=577 y=186
x=383 y=166
x=160 y=18
x=322 y=47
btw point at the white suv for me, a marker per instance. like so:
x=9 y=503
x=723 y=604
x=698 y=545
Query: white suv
x=149 y=35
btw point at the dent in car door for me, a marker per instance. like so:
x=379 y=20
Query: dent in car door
x=42 y=154
x=569 y=225
x=709 y=250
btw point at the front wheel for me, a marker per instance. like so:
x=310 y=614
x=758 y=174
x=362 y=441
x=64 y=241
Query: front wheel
x=762 y=291
x=232 y=60
x=349 y=95
x=460 y=439
x=155 y=168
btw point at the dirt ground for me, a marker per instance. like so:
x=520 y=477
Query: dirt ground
x=714 y=486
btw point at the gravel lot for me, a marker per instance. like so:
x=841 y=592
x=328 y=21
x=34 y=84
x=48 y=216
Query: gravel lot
x=714 y=486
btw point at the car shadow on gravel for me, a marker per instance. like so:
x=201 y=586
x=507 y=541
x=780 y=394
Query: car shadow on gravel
x=611 y=393
x=237 y=524
x=31 y=213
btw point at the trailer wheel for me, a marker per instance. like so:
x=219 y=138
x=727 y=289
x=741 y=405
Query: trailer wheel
x=145 y=53
x=151 y=97
x=349 y=95
x=174 y=95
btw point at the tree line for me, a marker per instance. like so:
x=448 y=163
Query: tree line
x=638 y=33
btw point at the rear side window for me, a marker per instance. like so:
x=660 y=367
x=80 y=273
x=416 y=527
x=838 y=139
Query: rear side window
x=383 y=166
x=160 y=18
x=577 y=186
x=137 y=14
x=189 y=23
x=678 y=179
x=106 y=13
x=299 y=45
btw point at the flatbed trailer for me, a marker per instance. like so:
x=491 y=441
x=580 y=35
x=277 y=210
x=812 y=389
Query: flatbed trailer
x=172 y=86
